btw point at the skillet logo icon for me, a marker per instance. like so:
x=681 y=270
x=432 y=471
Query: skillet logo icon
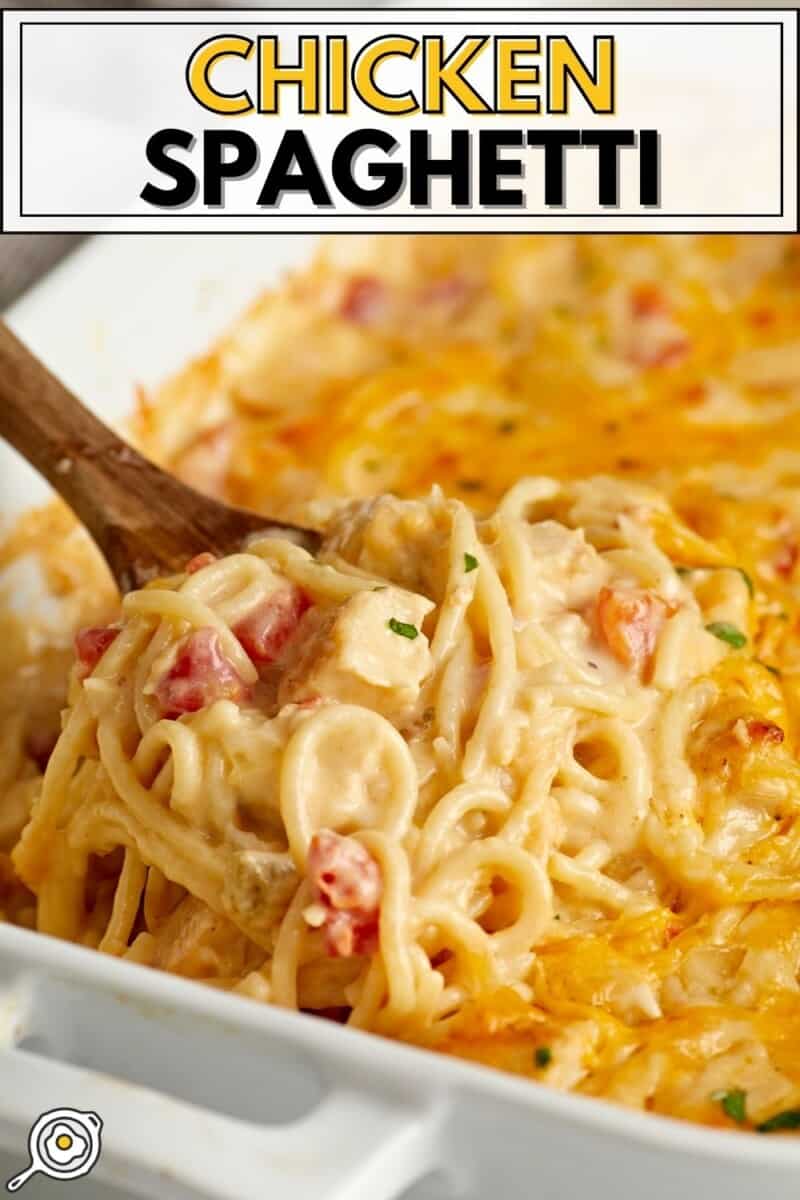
x=63 y=1144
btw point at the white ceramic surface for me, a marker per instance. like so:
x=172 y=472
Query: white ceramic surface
x=207 y=1095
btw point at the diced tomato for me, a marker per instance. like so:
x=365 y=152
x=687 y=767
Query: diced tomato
x=672 y=931
x=200 y=675
x=762 y=318
x=696 y=393
x=450 y=293
x=668 y=354
x=647 y=299
x=344 y=872
x=630 y=620
x=657 y=340
x=90 y=646
x=265 y=631
x=765 y=732
x=347 y=883
x=349 y=934
x=786 y=559
x=756 y=731
x=364 y=300
x=199 y=561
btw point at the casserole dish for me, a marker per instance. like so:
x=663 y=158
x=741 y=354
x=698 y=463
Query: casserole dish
x=203 y=1094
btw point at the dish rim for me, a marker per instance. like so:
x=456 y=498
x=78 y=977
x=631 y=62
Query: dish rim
x=440 y=1073
x=443 y=1074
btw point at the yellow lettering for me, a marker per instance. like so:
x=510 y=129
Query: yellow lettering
x=445 y=74
x=199 y=67
x=272 y=75
x=365 y=66
x=337 y=75
x=566 y=64
x=511 y=75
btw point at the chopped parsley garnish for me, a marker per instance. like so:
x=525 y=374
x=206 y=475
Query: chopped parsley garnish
x=733 y=1104
x=788 y=1119
x=403 y=629
x=507 y=427
x=727 y=633
x=470 y=562
x=772 y=670
x=747 y=580
x=543 y=1056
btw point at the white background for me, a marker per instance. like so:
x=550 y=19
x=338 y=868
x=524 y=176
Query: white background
x=92 y=98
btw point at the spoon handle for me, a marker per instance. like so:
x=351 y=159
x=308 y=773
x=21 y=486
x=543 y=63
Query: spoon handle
x=82 y=459
x=131 y=508
x=144 y=520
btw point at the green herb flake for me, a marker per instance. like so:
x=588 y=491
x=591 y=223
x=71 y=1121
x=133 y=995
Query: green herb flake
x=543 y=1056
x=772 y=670
x=733 y=1104
x=748 y=580
x=727 y=633
x=403 y=629
x=788 y=1119
x=506 y=427
x=470 y=563
x=682 y=571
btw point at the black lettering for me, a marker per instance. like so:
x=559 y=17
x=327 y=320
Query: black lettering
x=391 y=175
x=492 y=168
x=185 y=187
x=457 y=169
x=216 y=168
x=650 y=168
x=554 y=142
x=608 y=142
x=294 y=151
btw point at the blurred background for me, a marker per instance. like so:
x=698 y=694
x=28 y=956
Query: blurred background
x=25 y=257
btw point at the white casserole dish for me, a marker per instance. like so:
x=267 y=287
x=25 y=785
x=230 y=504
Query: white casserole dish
x=203 y=1094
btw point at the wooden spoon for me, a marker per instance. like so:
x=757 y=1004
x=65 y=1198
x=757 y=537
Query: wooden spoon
x=144 y=520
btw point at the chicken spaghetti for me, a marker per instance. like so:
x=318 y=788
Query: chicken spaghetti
x=509 y=769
